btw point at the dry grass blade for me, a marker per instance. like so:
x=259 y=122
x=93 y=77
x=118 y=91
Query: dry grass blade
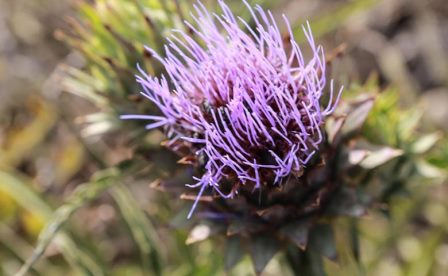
x=82 y=194
x=142 y=231
x=21 y=248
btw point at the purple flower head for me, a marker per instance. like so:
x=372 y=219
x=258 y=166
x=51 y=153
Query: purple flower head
x=243 y=98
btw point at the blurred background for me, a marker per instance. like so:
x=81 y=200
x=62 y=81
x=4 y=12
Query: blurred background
x=46 y=151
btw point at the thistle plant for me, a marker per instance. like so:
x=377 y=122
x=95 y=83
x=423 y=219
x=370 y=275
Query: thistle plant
x=273 y=160
x=272 y=154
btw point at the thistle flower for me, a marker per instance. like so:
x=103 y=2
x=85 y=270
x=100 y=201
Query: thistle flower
x=244 y=99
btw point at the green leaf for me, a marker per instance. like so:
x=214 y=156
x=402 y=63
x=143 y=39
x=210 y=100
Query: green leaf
x=380 y=156
x=83 y=194
x=356 y=156
x=357 y=115
x=79 y=258
x=22 y=192
x=142 y=231
x=82 y=89
x=334 y=127
x=28 y=199
x=409 y=123
x=13 y=242
x=428 y=170
x=370 y=156
x=425 y=143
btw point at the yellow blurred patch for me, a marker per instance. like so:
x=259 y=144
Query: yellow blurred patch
x=68 y=161
x=32 y=223
x=20 y=141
